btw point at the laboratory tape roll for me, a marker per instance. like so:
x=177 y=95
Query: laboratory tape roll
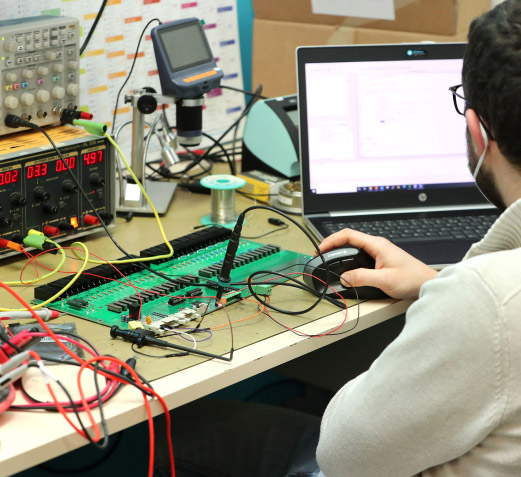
x=223 y=198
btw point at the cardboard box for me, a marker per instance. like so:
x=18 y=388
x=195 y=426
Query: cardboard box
x=443 y=17
x=273 y=51
x=274 y=44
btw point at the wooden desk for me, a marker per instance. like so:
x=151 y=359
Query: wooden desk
x=29 y=438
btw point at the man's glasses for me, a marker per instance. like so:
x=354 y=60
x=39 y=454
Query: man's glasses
x=461 y=105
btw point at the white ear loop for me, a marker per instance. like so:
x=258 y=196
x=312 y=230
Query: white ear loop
x=480 y=160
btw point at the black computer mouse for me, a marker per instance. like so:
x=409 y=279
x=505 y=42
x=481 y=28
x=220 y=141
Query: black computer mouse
x=340 y=260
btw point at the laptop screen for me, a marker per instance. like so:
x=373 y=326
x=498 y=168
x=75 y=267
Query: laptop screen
x=379 y=129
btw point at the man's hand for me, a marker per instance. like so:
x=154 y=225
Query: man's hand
x=397 y=273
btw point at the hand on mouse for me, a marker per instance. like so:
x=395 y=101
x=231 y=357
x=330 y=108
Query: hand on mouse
x=396 y=273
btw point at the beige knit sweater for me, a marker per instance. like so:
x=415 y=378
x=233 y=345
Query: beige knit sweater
x=444 y=399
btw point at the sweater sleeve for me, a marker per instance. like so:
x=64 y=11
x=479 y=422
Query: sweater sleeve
x=431 y=396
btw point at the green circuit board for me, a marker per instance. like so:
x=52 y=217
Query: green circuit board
x=185 y=296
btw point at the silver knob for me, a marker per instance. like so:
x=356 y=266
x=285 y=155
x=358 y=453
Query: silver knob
x=10 y=46
x=42 y=96
x=73 y=89
x=10 y=77
x=58 y=92
x=11 y=102
x=27 y=99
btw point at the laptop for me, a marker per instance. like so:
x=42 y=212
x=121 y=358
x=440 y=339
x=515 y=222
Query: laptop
x=382 y=149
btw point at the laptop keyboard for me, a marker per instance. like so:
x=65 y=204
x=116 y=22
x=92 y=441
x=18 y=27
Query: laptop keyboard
x=421 y=229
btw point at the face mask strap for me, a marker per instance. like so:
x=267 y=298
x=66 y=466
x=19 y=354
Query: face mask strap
x=480 y=160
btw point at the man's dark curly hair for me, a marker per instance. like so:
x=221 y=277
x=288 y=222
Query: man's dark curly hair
x=492 y=75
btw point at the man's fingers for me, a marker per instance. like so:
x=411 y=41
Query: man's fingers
x=352 y=238
x=360 y=277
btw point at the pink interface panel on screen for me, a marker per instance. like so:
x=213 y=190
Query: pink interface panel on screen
x=384 y=123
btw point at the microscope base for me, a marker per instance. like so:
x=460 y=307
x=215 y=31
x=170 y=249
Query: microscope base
x=160 y=193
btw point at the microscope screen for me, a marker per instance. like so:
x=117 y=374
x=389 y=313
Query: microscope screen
x=185 y=46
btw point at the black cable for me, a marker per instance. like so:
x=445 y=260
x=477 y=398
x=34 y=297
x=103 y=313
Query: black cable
x=248 y=194
x=237 y=230
x=242 y=236
x=43 y=406
x=221 y=137
x=256 y=96
x=299 y=333
x=6 y=340
x=93 y=27
x=242 y=91
x=59 y=470
x=105 y=440
x=217 y=142
x=299 y=285
x=166 y=174
x=76 y=180
x=82 y=191
x=170 y=355
x=76 y=337
x=130 y=72
x=124 y=375
x=73 y=406
x=231 y=162
x=142 y=338
x=284 y=227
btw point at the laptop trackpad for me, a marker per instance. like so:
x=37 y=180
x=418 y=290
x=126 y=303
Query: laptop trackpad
x=437 y=253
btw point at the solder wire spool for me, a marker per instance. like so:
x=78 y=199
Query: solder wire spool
x=223 y=199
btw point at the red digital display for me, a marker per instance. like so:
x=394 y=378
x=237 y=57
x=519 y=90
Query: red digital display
x=38 y=170
x=94 y=157
x=9 y=177
x=71 y=162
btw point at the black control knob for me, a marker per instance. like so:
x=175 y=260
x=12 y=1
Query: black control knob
x=5 y=221
x=69 y=186
x=96 y=180
x=49 y=208
x=17 y=238
x=62 y=225
x=40 y=193
x=107 y=217
x=17 y=199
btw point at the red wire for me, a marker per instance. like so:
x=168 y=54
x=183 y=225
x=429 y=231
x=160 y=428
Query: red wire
x=85 y=364
x=29 y=256
x=147 y=406
x=129 y=283
x=301 y=333
x=106 y=392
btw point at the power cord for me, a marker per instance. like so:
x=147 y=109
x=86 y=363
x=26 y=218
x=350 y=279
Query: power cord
x=93 y=27
x=130 y=72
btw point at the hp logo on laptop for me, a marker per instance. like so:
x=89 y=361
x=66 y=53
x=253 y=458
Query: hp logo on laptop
x=416 y=53
x=422 y=197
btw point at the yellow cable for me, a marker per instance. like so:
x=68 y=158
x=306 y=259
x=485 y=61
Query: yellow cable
x=156 y=215
x=50 y=274
x=66 y=287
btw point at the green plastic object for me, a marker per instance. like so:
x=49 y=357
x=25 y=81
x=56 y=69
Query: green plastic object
x=222 y=182
x=105 y=305
x=35 y=241
x=262 y=289
x=91 y=127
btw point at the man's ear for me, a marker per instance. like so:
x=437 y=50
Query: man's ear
x=476 y=130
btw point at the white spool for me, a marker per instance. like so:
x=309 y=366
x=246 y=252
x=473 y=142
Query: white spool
x=223 y=199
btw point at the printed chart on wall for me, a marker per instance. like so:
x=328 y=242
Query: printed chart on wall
x=107 y=59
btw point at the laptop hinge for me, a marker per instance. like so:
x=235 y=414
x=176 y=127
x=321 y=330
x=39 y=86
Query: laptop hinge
x=408 y=210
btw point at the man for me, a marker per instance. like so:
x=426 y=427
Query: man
x=444 y=398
